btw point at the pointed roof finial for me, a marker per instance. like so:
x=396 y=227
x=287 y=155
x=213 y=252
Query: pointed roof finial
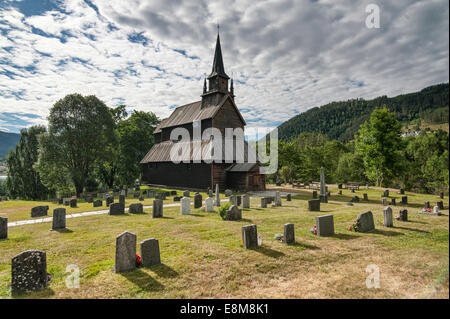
x=218 y=68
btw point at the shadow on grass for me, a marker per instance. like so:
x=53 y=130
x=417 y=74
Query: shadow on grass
x=412 y=229
x=305 y=245
x=164 y=271
x=344 y=236
x=268 y=252
x=386 y=232
x=165 y=217
x=44 y=293
x=63 y=230
x=142 y=280
x=197 y=215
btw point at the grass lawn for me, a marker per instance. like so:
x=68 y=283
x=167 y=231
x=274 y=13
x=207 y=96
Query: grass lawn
x=202 y=255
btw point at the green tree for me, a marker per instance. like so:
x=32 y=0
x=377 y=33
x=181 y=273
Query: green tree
x=135 y=136
x=23 y=179
x=379 y=143
x=79 y=130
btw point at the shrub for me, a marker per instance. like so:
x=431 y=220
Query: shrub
x=223 y=211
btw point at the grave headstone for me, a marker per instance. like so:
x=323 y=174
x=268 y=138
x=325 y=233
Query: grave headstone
x=233 y=200
x=339 y=186
x=90 y=199
x=365 y=197
x=39 y=211
x=386 y=193
x=441 y=195
x=325 y=225
x=150 y=194
x=314 y=193
x=440 y=204
x=116 y=209
x=384 y=202
x=245 y=201
x=59 y=218
x=263 y=202
x=436 y=210
x=157 y=209
x=402 y=191
x=404 y=200
x=60 y=201
x=353 y=190
x=28 y=272
x=136 y=195
x=186 y=194
x=289 y=234
x=209 y=205
x=173 y=193
x=122 y=199
x=228 y=192
x=185 y=208
x=141 y=199
x=3 y=227
x=98 y=203
x=137 y=208
x=365 y=222
x=150 y=252
x=239 y=200
x=217 y=202
x=109 y=200
x=393 y=202
x=210 y=193
x=250 y=236
x=355 y=199
x=234 y=213
x=197 y=200
x=288 y=197
x=73 y=202
x=125 y=251
x=427 y=204
x=388 y=218
x=176 y=198
x=314 y=205
x=340 y=192
x=404 y=215
x=66 y=201
x=277 y=198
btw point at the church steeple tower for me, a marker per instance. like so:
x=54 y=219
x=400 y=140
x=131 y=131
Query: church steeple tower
x=217 y=80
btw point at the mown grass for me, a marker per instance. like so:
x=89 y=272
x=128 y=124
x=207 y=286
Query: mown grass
x=203 y=258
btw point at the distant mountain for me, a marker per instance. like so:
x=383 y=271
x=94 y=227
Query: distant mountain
x=7 y=141
x=341 y=120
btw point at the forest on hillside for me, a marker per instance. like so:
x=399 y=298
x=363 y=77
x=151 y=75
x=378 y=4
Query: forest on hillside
x=341 y=120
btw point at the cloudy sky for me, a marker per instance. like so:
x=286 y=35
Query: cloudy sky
x=285 y=56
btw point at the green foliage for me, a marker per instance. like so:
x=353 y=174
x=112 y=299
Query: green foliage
x=341 y=120
x=3 y=188
x=23 y=179
x=223 y=210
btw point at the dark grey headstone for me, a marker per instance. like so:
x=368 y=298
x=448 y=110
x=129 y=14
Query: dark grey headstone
x=197 y=201
x=393 y=202
x=323 y=198
x=289 y=234
x=239 y=200
x=250 y=236
x=263 y=202
x=355 y=199
x=3 y=227
x=97 y=203
x=402 y=191
x=386 y=193
x=365 y=222
x=122 y=199
x=90 y=199
x=157 y=208
x=109 y=200
x=116 y=209
x=150 y=252
x=186 y=194
x=314 y=193
x=404 y=200
x=314 y=205
x=325 y=225
x=60 y=201
x=441 y=195
x=39 y=211
x=427 y=205
x=125 y=252
x=440 y=204
x=173 y=193
x=73 y=202
x=66 y=201
x=137 y=208
x=234 y=213
x=365 y=197
x=59 y=218
x=288 y=197
x=403 y=215
x=141 y=199
x=28 y=272
x=228 y=192
x=384 y=201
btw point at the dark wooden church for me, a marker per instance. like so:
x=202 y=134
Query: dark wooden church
x=216 y=109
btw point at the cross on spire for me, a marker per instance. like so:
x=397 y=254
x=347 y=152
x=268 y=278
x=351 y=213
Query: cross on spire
x=218 y=68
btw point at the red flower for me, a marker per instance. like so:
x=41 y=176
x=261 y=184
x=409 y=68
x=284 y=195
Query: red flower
x=138 y=260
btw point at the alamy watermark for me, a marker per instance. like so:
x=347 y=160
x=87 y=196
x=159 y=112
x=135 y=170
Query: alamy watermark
x=373 y=17
x=373 y=279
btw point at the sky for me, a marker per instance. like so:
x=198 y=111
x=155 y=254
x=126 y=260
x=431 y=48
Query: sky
x=285 y=56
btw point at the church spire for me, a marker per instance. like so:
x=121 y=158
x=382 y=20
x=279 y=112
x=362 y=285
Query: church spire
x=218 y=68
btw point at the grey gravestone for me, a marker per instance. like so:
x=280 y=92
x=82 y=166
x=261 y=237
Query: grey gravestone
x=60 y=201
x=250 y=236
x=441 y=195
x=234 y=213
x=116 y=209
x=210 y=193
x=28 y=271
x=402 y=191
x=314 y=205
x=403 y=215
x=122 y=199
x=125 y=252
x=323 y=188
x=59 y=218
x=90 y=199
x=3 y=228
x=228 y=192
x=289 y=234
x=263 y=202
x=186 y=194
x=404 y=200
x=386 y=193
x=288 y=197
x=209 y=205
x=355 y=199
x=185 y=208
x=73 y=202
x=393 y=202
x=388 y=218
x=217 y=202
x=98 y=203
x=245 y=201
x=109 y=200
x=323 y=198
x=150 y=194
x=384 y=202
x=314 y=194
x=233 y=200
x=427 y=204
x=440 y=204
x=157 y=208
x=239 y=200
x=277 y=198
x=150 y=252
x=38 y=211
x=137 y=208
x=325 y=225
x=197 y=200
x=365 y=222
x=365 y=197
x=66 y=201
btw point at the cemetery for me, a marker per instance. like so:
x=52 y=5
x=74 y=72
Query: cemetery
x=146 y=244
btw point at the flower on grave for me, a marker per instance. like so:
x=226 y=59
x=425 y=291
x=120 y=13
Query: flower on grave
x=138 y=260
x=428 y=210
x=49 y=277
x=353 y=227
x=314 y=230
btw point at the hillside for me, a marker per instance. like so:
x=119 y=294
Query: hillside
x=341 y=120
x=7 y=141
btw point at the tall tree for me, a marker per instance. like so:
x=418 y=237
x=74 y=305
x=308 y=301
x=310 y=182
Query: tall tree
x=23 y=179
x=380 y=145
x=78 y=131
